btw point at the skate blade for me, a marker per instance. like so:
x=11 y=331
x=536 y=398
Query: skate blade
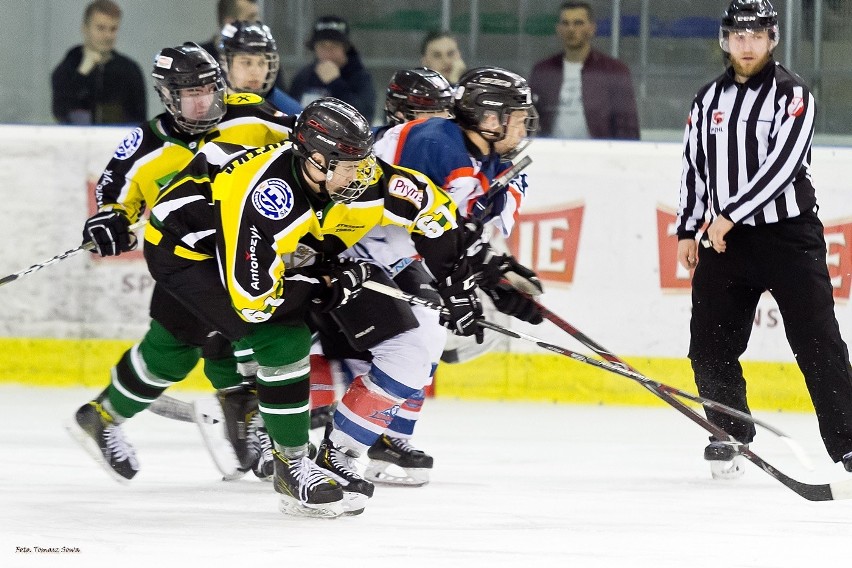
x=211 y=424
x=91 y=447
x=728 y=470
x=385 y=473
x=354 y=503
x=296 y=508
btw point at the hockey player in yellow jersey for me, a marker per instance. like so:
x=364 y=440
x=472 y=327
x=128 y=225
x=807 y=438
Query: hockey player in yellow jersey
x=248 y=241
x=192 y=89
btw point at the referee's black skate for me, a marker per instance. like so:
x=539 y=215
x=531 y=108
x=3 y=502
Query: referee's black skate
x=394 y=461
x=305 y=489
x=726 y=460
x=100 y=434
x=340 y=466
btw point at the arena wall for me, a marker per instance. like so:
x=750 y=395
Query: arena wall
x=596 y=226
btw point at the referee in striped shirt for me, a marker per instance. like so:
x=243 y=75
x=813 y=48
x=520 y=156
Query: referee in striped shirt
x=746 y=162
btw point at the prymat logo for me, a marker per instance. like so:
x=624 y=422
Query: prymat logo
x=838 y=240
x=547 y=241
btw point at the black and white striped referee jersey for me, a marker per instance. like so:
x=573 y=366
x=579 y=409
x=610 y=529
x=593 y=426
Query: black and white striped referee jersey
x=747 y=151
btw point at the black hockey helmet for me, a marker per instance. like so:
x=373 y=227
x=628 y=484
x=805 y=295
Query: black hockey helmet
x=492 y=90
x=253 y=38
x=339 y=133
x=749 y=15
x=188 y=66
x=419 y=90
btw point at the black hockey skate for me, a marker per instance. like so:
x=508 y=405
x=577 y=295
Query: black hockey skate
x=322 y=415
x=341 y=467
x=261 y=443
x=388 y=456
x=847 y=462
x=224 y=424
x=726 y=461
x=305 y=489
x=101 y=436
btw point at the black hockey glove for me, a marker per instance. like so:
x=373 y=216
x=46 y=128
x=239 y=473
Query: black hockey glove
x=346 y=279
x=110 y=231
x=495 y=267
x=461 y=305
x=472 y=242
x=511 y=301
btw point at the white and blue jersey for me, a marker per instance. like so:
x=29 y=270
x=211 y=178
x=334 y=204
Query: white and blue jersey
x=438 y=148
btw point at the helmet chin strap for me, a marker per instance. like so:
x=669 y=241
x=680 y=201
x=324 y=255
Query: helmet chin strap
x=321 y=183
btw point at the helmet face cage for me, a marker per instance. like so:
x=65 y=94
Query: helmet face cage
x=365 y=172
x=249 y=38
x=413 y=92
x=211 y=118
x=339 y=133
x=749 y=16
x=485 y=91
x=187 y=67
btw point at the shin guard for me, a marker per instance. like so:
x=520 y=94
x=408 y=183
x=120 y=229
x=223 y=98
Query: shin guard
x=364 y=413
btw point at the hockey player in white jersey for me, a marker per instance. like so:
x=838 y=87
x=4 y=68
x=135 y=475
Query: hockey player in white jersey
x=495 y=117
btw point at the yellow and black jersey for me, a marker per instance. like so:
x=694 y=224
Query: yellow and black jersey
x=251 y=209
x=150 y=156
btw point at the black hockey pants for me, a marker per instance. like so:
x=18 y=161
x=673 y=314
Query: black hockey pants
x=788 y=259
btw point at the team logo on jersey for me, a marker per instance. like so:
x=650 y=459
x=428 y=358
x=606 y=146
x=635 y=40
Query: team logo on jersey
x=796 y=107
x=404 y=188
x=273 y=198
x=129 y=145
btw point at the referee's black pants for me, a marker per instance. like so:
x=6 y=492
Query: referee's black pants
x=788 y=259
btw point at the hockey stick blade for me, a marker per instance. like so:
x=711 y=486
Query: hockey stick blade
x=811 y=492
x=87 y=246
x=175 y=409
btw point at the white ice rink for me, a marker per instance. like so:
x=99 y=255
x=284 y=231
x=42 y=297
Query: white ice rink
x=515 y=484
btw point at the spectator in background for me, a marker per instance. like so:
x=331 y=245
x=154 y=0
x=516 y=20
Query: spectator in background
x=440 y=51
x=95 y=84
x=336 y=71
x=228 y=12
x=581 y=92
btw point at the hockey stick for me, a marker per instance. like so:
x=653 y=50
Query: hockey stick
x=175 y=409
x=811 y=492
x=617 y=368
x=87 y=246
x=483 y=205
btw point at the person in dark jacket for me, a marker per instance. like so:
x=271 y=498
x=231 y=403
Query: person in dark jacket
x=582 y=93
x=336 y=71
x=95 y=84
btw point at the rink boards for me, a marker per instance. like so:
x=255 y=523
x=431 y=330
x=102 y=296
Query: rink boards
x=596 y=226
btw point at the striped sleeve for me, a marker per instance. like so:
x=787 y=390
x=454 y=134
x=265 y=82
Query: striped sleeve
x=692 y=204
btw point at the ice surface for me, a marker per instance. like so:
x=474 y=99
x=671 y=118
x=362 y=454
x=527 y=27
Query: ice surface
x=514 y=485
